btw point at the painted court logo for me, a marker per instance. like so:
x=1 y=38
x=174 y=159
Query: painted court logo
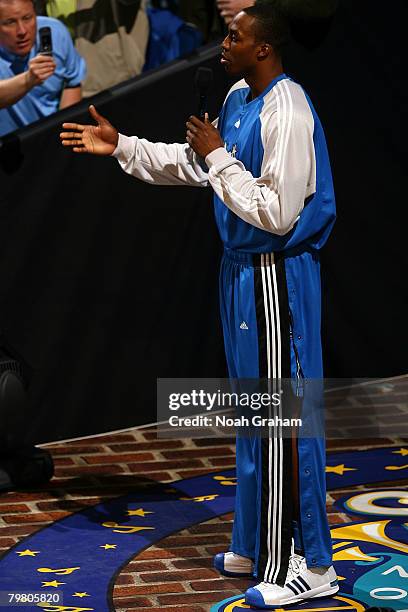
x=235 y=604
x=370 y=557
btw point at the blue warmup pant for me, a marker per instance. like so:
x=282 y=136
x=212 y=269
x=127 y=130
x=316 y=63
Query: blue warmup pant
x=257 y=325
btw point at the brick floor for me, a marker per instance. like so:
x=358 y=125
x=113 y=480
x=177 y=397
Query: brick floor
x=177 y=572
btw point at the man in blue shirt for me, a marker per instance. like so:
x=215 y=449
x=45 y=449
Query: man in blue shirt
x=32 y=85
x=268 y=165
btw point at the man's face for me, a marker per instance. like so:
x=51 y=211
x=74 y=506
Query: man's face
x=17 y=26
x=240 y=48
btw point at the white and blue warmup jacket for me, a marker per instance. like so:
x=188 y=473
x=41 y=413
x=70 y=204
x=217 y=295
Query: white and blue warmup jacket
x=274 y=208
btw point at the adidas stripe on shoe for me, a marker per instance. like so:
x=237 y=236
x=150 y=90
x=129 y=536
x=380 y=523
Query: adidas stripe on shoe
x=310 y=583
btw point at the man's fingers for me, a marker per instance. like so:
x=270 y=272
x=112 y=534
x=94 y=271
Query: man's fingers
x=191 y=127
x=71 y=135
x=44 y=75
x=42 y=60
x=70 y=143
x=74 y=126
x=79 y=150
x=196 y=121
x=95 y=115
x=42 y=69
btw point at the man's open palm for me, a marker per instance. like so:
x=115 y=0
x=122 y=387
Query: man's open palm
x=101 y=139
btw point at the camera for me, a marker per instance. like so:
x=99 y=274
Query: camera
x=45 y=41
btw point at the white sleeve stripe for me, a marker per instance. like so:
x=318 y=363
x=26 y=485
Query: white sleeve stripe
x=279 y=113
x=286 y=132
x=285 y=119
x=274 y=158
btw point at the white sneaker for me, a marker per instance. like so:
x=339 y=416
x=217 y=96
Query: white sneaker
x=233 y=565
x=303 y=584
x=297 y=564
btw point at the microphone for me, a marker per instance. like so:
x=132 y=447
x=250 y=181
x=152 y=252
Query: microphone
x=203 y=81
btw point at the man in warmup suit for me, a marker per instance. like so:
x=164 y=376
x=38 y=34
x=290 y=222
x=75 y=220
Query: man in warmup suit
x=268 y=165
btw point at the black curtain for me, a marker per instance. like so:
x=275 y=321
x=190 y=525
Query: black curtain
x=357 y=81
x=107 y=283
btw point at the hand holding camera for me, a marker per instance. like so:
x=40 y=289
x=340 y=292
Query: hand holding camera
x=42 y=66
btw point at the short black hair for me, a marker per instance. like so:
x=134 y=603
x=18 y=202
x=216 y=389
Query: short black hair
x=271 y=24
x=307 y=22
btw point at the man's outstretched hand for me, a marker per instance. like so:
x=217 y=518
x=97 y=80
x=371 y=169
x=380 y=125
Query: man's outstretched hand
x=101 y=139
x=202 y=136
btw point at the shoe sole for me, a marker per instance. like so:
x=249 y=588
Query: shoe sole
x=225 y=572
x=292 y=600
x=234 y=574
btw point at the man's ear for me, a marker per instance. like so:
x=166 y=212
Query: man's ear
x=264 y=51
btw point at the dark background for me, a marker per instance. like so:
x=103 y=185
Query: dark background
x=107 y=283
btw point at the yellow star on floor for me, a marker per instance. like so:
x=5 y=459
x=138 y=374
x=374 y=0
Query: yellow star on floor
x=396 y=467
x=109 y=546
x=401 y=451
x=28 y=553
x=81 y=595
x=338 y=469
x=138 y=512
x=54 y=583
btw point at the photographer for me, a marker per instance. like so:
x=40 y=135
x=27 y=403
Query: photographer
x=33 y=85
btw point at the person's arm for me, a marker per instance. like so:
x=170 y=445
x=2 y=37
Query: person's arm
x=274 y=200
x=12 y=90
x=158 y=163
x=163 y=164
x=70 y=96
